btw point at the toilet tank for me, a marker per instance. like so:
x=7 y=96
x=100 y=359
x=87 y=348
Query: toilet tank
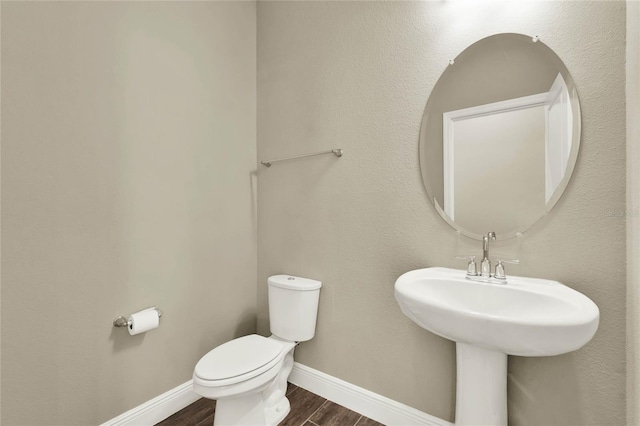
x=293 y=307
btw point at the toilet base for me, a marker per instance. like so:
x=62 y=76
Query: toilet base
x=247 y=410
x=276 y=414
x=265 y=405
x=276 y=403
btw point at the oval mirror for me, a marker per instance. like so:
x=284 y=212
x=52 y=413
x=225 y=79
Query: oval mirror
x=500 y=136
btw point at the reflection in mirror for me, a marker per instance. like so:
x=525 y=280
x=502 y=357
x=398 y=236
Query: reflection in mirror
x=499 y=136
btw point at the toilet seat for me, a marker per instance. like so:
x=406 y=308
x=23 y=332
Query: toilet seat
x=239 y=360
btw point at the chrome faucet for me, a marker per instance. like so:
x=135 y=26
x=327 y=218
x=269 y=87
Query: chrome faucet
x=485 y=264
x=485 y=275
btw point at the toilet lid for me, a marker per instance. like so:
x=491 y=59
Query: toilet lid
x=237 y=357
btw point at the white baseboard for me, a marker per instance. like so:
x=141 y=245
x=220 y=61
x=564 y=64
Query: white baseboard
x=367 y=403
x=158 y=408
x=355 y=398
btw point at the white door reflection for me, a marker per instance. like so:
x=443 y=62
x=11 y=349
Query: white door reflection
x=508 y=154
x=559 y=134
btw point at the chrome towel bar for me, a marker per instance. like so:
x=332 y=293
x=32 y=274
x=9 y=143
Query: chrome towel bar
x=337 y=152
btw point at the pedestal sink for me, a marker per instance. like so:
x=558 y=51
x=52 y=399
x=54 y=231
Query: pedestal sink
x=488 y=321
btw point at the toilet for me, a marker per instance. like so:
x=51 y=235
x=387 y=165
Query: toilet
x=248 y=375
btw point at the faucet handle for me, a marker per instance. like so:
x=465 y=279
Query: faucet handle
x=472 y=268
x=499 y=274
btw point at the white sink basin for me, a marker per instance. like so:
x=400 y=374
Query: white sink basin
x=488 y=321
x=526 y=316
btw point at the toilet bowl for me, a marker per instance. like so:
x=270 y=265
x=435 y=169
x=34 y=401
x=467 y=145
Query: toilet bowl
x=248 y=375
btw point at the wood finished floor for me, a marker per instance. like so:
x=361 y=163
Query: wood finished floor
x=307 y=409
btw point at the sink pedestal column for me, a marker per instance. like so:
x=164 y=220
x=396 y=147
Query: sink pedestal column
x=481 y=386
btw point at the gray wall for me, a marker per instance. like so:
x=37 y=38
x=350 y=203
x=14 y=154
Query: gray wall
x=357 y=76
x=633 y=212
x=128 y=141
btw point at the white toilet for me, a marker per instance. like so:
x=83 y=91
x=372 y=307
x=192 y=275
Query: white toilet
x=248 y=375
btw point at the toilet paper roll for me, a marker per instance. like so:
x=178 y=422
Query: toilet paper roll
x=142 y=321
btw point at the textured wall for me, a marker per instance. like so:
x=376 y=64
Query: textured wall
x=128 y=141
x=357 y=76
x=633 y=212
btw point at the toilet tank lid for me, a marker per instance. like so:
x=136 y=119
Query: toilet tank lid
x=294 y=283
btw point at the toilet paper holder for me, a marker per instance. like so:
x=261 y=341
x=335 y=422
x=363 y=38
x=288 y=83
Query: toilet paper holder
x=122 y=321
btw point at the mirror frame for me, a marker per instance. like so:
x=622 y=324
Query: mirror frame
x=571 y=160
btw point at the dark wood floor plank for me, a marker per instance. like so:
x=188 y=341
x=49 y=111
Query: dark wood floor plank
x=332 y=414
x=303 y=405
x=307 y=409
x=206 y=422
x=366 y=421
x=290 y=389
x=192 y=414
